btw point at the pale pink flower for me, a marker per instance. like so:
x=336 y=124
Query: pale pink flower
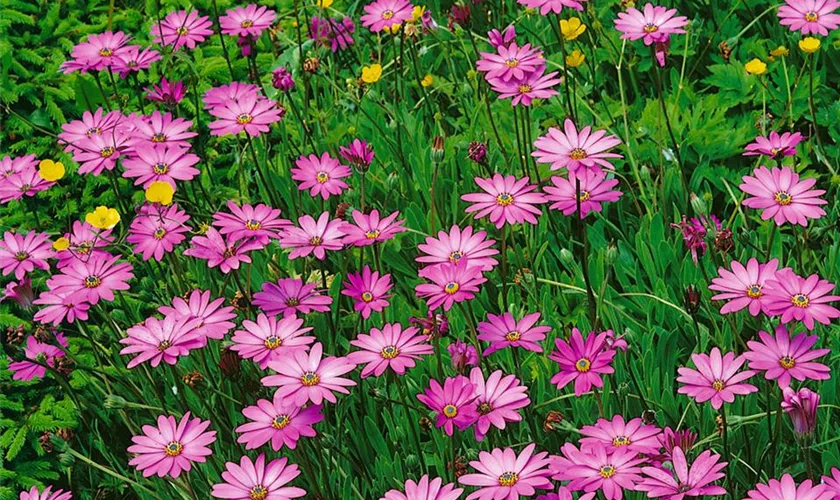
x=598 y=468
x=47 y=494
x=303 y=376
x=450 y=283
x=172 y=446
x=425 y=489
x=576 y=150
x=633 y=435
x=502 y=474
x=155 y=340
x=498 y=399
x=368 y=290
x=214 y=318
x=787 y=489
x=810 y=16
x=369 y=229
x=594 y=189
x=21 y=254
x=391 y=347
x=511 y=62
x=268 y=339
x=321 y=176
x=182 y=28
x=160 y=163
x=795 y=298
x=506 y=200
x=261 y=222
x=382 y=14
x=258 y=480
x=221 y=251
x=686 y=480
x=782 y=196
x=313 y=237
x=556 y=6
x=535 y=85
x=744 y=286
x=279 y=421
x=505 y=331
x=653 y=24
x=716 y=378
x=250 y=20
x=453 y=403
x=775 y=146
x=458 y=244
x=781 y=357
x=291 y=296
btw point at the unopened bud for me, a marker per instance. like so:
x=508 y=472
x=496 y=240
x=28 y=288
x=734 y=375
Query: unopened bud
x=437 y=149
x=114 y=402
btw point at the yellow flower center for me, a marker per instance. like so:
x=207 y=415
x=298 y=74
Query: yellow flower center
x=800 y=300
x=484 y=408
x=607 y=471
x=754 y=291
x=508 y=479
x=272 y=342
x=164 y=345
x=229 y=252
x=651 y=28
x=322 y=177
x=246 y=23
x=512 y=62
x=583 y=365
x=93 y=131
x=455 y=256
x=280 y=422
x=373 y=234
x=159 y=233
x=584 y=196
x=160 y=168
x=21 y=256
x=389 y=352
x=182 y=31
x=315 y=241
x=258 y=492
x=524 y=88
x=450 y=411
x=173 y=449
x=107 y=152
x=93 y=281
x=718 y=385
x=787 y=362
x=244 y=119
x=513 y=336
x=577 y=154
x=253 y=225
x=159 y=137
x=451 y=288
x=292 y=302
x=84 y=247
x=388 y=14
x=504 y=199
x=783 y=198
x=105 y=52
x=309 y=379
x=621 y=441
x=367 y=297
x=811 y=16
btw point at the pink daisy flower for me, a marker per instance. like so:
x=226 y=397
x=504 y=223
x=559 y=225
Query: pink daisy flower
x=425 y=489
x=775 y=146
x=833 y=481
x=457 y=245
x=47 y=494
x=801 y=299
x=155 y=340
x=10 y=166
x=505 y=331
x=506 y=199
x=97 y=123
x=450 y=283
x=686 y=480
x=498 y=400
x=45 y=354
x=60 y=307
x=744 y=286
x=502 y=38
x=504 y=474
x=26 y=183
x=20 y=292
x=168 y=93
x=321 y=176
x=368 y=290
x=86 y=241
x=453 y=404
x=511 y=62
x=214 y=319
x=161 y=128
x=172 y=446
x=313 y=237
x=218 y=97
x=782 y=197
x=279 y=421
x=221 y=251
x=291 y=296
x=801 y=406
x=576 y=150
x=133 y=59
x=810 y=16
x=391 y=347
x=595 y=189
x=462 y=355
x=786 y=489
x=96 y=53
x=671 y=440
x=252 y=114
x=582 y=361
x=160 y=163
x=653 y=25
x=268 y=339
x=101 y=152
x=598 y=468
x=250 y=20
x=782 y=358
x=555 y=6
x=182 y=28
x=22 y=254
x=303 y=376
x=382 y=14
x=535 y=85
x=262 y=222
x=93 y=279
x=359 y=154
x=370 y=229
x=633 y=435
x=337 y=34
x=716 y=378
x=256 y=480
x=156 y=231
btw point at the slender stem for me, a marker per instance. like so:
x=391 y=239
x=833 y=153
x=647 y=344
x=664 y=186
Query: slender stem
x=584 y=261
x=675 y=146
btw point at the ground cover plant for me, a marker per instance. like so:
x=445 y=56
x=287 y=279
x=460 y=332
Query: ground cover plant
x=493 y=249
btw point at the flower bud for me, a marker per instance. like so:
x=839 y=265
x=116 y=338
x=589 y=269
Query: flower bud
x=698 y=205
x=114 y=402
x=691 y=300
x=437 y=152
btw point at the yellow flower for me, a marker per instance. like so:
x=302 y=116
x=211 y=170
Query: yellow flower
x=372 y=73
x=324 y=4
x=103 y=218
x=755 y=67
x=51 y=170
x=160 y=192
x=427 y=81
x=61 y=244
x=575 y=59
x=781 y=50
x=392 y=29
x=417 y=13
x=809 y=45
x=572 y=28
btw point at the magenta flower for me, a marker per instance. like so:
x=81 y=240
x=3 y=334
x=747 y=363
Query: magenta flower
x=155 y=340
x=269 y=339
x=321 y=176
x=97 y=123
x=453 y=403
x=582 y=361
x=156 y=231
x=801 y=299
x=26 y=183
x=462 y=355
x=86 y=241
x=653 y=25
x=425 y=489
x=382 y=14
x=782 y=197
x=280 y=421
x=60 y=306
x=256 y=480
x=43 y=353
x=181 y=28
x=162 y=163
x=101 y=152
x=47 y=494
x=251 y=114
x=92 y=280
x=10 y=166
x=694 y=233
x=671 y=440
x=22 y=254
x=786 y=489
x=214 y=319
x=502 y=39
x=303 y=376
x=172 y=446
x=368 y=290
x=391 y=347
x=247 y=21
x=594 y=190
x=497 y=400
x=20 y=292
x=96 y=53
x=633 y=435
x=370 y=229
x=224 y=252
x=692 y=480
x=511 y=62
x=783 y=358
x=160 y=128
x=576 y=150
x=218 y=97
x=168 y=93
x=744 y=286
x=506 y=200
x=504 y=474
x=810 y=16
x=833 y=481
x=337 y=34
x=802 y=407
x=535 y=85
x=457 y=245
x=262 y=223
x=291 y=296
x=313 y=237
x=598 y=468
x=716 y=378
x=555 y=6
x=450 y=283
x=505 y=331
x=359 y=154
x=133 y=59
x=775 y=146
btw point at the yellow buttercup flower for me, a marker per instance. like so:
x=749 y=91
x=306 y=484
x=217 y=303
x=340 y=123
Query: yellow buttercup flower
x=571 y=28
x=809 y=45
x=427 y=81
x=103 y=218
x=324 y=4
x=160 y=192
x=392 y=29
x=417 y=13
x=51 y=170
x=372 y=73
x=575 y=59
x=61 y=244
x=756 y=67
x=781 y=50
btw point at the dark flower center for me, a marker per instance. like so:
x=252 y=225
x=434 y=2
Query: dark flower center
x=160 y=168
x=93 y=281
x=389 y=352
x=281 y=421
x=173 y=449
